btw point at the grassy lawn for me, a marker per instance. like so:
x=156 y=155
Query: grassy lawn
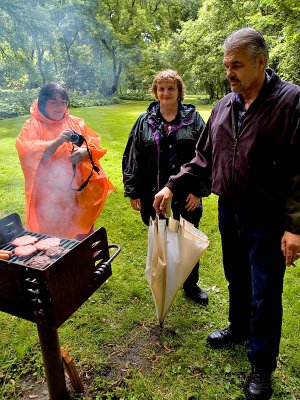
x=114 y=337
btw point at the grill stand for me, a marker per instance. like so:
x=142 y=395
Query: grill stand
x=43 y=297
x=53 y=364
x=49 y=340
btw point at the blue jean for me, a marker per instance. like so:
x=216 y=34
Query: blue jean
x=254 y=267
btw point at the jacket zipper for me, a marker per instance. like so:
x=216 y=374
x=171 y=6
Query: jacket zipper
x=236 y=140
x=234 y=160
x=234 y=145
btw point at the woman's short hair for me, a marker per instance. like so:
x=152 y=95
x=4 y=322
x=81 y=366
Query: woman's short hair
x=170 y=75
x=50 y=91
x=249 y=38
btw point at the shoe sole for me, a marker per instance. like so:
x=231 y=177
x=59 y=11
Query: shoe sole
x=226 y=345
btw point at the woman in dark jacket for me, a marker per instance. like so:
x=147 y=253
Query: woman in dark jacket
x=162 y=139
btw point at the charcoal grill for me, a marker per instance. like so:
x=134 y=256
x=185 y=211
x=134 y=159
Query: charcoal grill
x=49 y=296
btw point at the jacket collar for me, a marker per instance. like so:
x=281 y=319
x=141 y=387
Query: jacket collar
x=185 y=111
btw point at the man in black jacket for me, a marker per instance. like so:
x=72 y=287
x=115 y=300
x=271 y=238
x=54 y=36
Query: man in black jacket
x=250 y=148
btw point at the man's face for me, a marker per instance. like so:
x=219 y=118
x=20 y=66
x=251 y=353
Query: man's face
x=242 y=72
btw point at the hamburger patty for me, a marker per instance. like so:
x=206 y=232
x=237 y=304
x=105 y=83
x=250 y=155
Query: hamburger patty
x=24 y=240
x=55 y=251
x=25 y=251
x=39 y=261
x=46 y=244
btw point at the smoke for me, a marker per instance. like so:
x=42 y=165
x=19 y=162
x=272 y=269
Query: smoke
x=56 y=203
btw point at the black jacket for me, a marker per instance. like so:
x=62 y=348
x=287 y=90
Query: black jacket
x=261 y=166
x=152 y=154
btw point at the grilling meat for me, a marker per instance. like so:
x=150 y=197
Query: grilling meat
x=46 y=244
x=5 y=254
x=55 y=251
x=39 y=261
x=25 y=251
x=24 y=240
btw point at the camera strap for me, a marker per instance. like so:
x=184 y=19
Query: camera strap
x=94 y=168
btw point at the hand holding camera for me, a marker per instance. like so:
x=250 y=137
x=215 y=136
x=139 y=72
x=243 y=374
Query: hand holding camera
x=76 y=138
x=78 y=155
x=69 y=135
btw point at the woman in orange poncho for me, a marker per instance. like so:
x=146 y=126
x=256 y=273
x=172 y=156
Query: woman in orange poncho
x=55 y=169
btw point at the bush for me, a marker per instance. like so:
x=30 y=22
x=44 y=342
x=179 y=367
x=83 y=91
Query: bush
x=16 y=103
x=136 y=95
x=204 y=101
x=90 y=99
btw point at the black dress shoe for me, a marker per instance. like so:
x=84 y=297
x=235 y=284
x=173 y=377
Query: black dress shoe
x=259 y=385
x=196 y=294
x=224 y=338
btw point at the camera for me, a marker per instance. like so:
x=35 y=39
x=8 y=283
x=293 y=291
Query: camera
x=77 y=138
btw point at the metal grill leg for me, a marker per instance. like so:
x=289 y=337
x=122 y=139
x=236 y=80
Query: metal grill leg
x=53 y=365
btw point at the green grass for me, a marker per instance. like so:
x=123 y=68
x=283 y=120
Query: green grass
x=114 y=337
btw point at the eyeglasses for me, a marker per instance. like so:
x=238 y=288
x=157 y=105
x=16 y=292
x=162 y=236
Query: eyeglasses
x=54 y=103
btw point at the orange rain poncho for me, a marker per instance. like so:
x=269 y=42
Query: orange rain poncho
x=52 y=207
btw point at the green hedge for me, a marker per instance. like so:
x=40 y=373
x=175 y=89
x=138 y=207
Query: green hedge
x=13 y=104
x=136 y=95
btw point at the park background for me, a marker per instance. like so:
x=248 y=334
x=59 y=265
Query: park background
x=106 y=53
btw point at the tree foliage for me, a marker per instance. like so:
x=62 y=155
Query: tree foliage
x=116 y=46
x=201 y=40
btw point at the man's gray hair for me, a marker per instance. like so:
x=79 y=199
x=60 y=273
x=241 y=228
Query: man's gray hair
x=250 y=38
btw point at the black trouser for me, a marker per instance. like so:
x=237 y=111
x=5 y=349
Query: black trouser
x=178 y=209
x=254 y=268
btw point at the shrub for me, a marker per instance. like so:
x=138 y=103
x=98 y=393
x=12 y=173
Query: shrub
x=136 y=95
x=15 y=103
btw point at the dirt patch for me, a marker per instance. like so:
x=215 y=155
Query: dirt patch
x=33 y=389
x=141 y=350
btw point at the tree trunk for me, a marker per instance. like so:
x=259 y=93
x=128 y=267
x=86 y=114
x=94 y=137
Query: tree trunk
x=117 y=70
x=40 y=54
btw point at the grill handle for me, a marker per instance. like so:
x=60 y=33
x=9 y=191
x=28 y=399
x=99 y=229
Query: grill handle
x=113 y=246
x=101 y=269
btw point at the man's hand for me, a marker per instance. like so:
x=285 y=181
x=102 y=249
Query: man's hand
x=136 y=204
x=192 y=202
x=162 y=201
x=290 y=246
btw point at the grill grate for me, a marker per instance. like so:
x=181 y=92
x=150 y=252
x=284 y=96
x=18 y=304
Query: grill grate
x=67 y=244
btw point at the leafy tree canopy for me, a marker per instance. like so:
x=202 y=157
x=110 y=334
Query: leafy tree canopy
x=116 y=46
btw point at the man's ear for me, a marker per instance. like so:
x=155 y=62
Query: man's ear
x=262 y=60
